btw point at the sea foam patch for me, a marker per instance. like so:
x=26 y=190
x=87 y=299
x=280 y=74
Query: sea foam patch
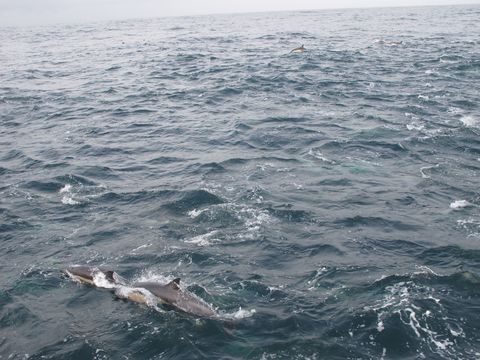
x=68 y=195
x=470 y=121
x=204 y=239
x=76 y=194
x=421 y=313
x=240 y=314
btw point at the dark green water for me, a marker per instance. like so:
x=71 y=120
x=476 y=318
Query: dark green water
x=326 y=202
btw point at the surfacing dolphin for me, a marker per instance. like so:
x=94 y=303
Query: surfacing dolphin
x=86 y=274
x=150 y=293
x=298 y=49
x=172 y=294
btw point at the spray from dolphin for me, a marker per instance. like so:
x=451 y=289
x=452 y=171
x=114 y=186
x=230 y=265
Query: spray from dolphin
x=150 y=293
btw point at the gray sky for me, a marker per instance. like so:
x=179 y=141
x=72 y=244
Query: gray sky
x=34 y=12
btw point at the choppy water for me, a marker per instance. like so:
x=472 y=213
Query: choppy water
x=329 y=201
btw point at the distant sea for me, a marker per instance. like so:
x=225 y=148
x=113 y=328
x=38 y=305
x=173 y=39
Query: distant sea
x=326 y=203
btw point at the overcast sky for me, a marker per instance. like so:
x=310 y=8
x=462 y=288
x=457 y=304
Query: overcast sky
x=34 y=12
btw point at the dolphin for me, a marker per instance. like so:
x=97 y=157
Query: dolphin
x=298 y=49
x=86 y=274
x=387 y=42
x=150 y=293
x=172 y=294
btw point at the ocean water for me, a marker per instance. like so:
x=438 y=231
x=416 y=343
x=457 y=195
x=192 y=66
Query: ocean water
x=326 y=203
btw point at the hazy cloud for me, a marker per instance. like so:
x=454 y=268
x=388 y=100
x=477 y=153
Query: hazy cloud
x=31 y=12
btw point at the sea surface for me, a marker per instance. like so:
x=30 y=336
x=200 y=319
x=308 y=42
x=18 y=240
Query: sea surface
x=326 y=203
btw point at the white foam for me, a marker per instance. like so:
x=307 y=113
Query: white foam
x=298 y=186
x=124 y=292
x=265 y=167
x=425 y=176
x=318 y=155
x=204 y=239
x=454 y=110
x=423 y=269
x=415 y=126
x=69 y=201
x=66 y=188
x=402 y=299
x=153 y=277
x=240 y=314
x=471 y=225
x=101 y=281
x=470 y=121
x=457 y=333
x=459 y=204
x=252 y=218
x=318 y=273
x=67 y=198
x=411 y=116
x=380 y=326
x=142 y=247
x=195 y=213
x=78 y=194
x=465 y=222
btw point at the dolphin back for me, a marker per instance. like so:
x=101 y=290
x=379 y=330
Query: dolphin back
x=173 y=295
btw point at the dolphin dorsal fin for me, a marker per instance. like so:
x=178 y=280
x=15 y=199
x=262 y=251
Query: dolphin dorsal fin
x=175 y=284
x=110 y=276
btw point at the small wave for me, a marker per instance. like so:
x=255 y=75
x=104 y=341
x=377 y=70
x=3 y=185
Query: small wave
x=195 y=213
x=380 y=222
x=291 y=215
x=251 y=220
x=230 y=91
x=209 y=168
x=204 y=239
x=452 y=255
x=194 y=199
x=164 y=160
x=385 y=42
x=422 y=170
x=283 y=119
x=318 y=155
x=141 y=247
x=471 y=226
x=415 y=126
x=413 y=307
x=43 y=186
x=138 y=196
x=313 y=250
x=343 y=182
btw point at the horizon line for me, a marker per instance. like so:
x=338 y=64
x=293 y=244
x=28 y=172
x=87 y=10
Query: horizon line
x=222 y=13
